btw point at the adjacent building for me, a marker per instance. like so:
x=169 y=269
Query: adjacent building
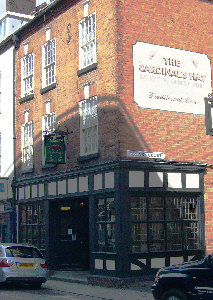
x=113 y=163
x=15 y=14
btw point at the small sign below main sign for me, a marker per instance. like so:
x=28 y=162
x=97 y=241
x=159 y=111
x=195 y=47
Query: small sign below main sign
x=143 y=154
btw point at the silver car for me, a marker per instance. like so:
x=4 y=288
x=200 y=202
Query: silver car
x=22 y=263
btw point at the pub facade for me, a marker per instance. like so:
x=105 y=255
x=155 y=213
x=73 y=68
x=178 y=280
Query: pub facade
x=113 y=163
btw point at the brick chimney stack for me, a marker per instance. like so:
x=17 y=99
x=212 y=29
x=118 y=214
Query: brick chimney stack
x=21 y=6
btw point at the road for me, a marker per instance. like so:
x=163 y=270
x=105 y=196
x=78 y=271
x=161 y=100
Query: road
x=60 y=290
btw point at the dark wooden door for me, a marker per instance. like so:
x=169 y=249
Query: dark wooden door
x=73 y=234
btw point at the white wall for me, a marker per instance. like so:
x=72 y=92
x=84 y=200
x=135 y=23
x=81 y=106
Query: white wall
x=6 y=115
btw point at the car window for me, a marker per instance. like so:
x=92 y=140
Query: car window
x=21 y=251
x=1 y=252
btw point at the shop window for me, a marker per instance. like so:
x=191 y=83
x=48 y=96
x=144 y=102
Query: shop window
x=49 y=63
x=165 y=223
x=27 y=145
x=32 y=225
x=105 y=225
x=88 y=126
x=27 y=74
x=87 y=41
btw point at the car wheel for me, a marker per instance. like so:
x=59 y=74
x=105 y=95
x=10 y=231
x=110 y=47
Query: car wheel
x=174 y=294
x=36 y=285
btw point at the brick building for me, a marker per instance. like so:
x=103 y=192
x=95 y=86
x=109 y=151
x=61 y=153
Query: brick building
x=113 y=163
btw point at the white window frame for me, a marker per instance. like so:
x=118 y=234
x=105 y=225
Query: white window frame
x=27 y=145
x=49 y=64
x=27 y=74
x=3 y=29
x=48 y=126
x=87 y=41
x=88 y=126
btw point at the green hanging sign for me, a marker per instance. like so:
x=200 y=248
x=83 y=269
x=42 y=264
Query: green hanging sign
x=54 y=152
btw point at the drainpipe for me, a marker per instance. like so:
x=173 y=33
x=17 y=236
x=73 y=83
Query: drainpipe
x=14 y=217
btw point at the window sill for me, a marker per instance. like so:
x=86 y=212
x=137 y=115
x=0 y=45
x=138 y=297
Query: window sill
x=87 y=69
x=28 y=170
x=88 y=157
x=26 y=98
x=48 y=166
x=48 y=88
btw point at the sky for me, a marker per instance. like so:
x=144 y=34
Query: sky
x=3 y=5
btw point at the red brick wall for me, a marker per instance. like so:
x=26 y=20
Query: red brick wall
x=65 y=98
x=182 y=137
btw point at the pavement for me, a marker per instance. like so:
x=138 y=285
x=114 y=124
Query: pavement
x=79 y=276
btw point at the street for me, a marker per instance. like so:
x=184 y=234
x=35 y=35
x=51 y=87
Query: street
x=59 y=290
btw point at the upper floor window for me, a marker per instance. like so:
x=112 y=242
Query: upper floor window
x=88 y=126
x=49 y=122
x=27 y=74
x=27 y=145
x=87 y=41
x=48 y=127
x=3 y=29
x=49 y=63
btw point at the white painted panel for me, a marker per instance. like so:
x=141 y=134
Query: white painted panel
x=52 y=188
x=174 y=180
x=62 y=187
x=155 y=179
x=192 y=181
x=158 y=262
x=98 y=182
x=99 y=264
x=136 y=179
x=176 y=260
x=109 y=180
x=41 y=190
x=27 y=192
x=142 y=260
x=110 y=264
x=83 y=183
x=72 y=185
x=34 y=191
x=135 y=267
x=21 y=193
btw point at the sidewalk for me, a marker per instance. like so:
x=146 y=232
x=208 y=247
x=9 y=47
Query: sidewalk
x=84 y=277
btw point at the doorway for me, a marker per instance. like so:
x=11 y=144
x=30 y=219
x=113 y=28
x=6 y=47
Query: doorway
x=72 y=232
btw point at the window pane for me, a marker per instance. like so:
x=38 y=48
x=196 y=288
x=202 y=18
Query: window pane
x=174 y=236
x=173 y=208
x=156 y=236
x=101 y=237
x=110 y=239
x=139 y=237
x=138 y=208
x=156 y=208
x=100 y=210
x=190 y=208
x=110 y=209
x=191 y=240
